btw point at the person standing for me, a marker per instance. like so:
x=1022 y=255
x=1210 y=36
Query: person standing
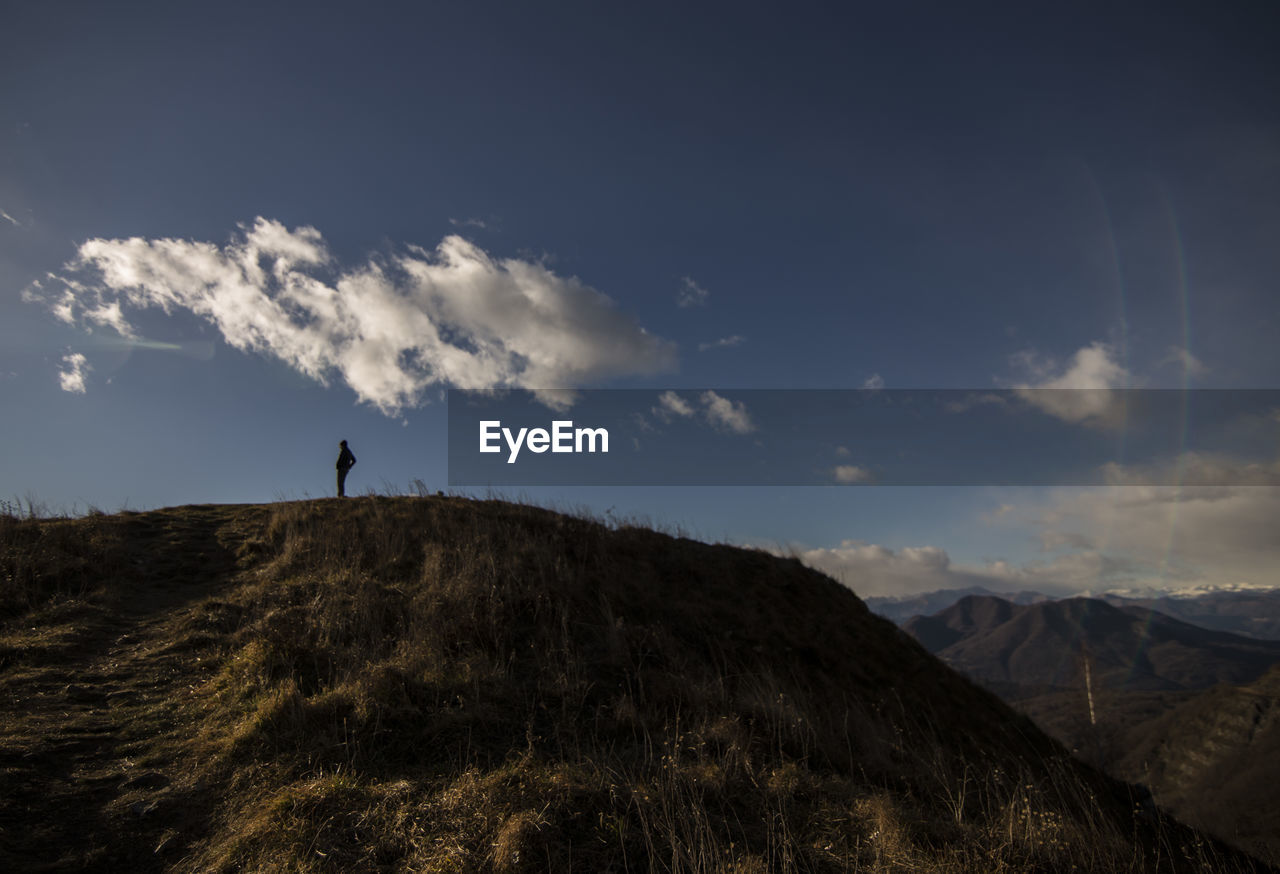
x=346 y=460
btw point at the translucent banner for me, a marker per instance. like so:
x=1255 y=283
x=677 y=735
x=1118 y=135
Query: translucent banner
x=717 y=437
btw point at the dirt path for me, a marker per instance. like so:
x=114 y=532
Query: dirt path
x=90 y=740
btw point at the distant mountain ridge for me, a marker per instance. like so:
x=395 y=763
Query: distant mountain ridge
x=901 y=608
x=1247 y=611
x=1044 y=645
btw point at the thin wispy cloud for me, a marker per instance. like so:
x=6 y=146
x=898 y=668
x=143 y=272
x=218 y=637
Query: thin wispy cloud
x=1196 y=469
x=71 y=376
x=1182 y=358
x=874 y=382
x=469 y=223
x=691 y=294
x=974 y=400
x=722 y=343
x=390 y=328
x=10 y=219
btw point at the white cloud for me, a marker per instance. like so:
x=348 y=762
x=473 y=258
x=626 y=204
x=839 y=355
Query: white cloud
x=722 y=343
x=10 y=219
x=469 y=223
x=717 y=411
x=874 y=382
x=724 y=413
x=1090 y=376
x=73 y=372
x=671 y=404
x=843 y=451
x=691 y=294
x=851 y=473
x=391 y=329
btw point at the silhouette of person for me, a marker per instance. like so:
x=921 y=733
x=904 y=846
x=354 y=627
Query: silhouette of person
x=345 y=462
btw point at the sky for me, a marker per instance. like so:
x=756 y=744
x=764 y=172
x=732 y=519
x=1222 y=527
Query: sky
x=232 y=234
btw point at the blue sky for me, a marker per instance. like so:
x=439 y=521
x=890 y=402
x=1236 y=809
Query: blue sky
x=727 y=196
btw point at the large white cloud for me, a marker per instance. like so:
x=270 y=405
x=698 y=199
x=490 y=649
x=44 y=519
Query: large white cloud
x=870 y=569
x=1093 y=540
x=1207 y=535
x=389 y=328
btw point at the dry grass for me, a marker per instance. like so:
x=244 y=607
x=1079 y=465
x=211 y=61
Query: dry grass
x=437 y=684
x=47 y=561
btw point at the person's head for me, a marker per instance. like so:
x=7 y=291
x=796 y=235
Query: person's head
x=343 y=444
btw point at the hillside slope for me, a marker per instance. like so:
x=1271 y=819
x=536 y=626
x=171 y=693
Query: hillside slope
x=1215 y=761
x=450 y=685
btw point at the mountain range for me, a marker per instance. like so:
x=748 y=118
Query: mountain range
x=1248 y=611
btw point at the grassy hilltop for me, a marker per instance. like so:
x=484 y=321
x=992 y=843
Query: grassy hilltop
x=440 y=684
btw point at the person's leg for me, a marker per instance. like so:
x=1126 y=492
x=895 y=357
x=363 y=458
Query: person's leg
x=342 y=483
